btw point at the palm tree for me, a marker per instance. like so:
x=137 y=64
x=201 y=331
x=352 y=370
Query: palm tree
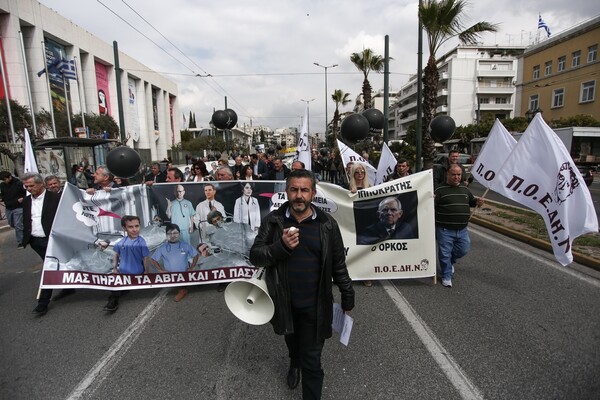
x=338 y=97
x=367 y=61
x=441 y=20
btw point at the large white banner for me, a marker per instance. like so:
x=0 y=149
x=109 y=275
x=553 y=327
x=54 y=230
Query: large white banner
x=86 y=229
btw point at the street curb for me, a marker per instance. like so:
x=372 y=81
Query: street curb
x=540 y=244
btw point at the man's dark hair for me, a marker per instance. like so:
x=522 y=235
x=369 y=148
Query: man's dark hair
x=127 y=218
x=171 y=227
x=50 y=178
x=178 y=173
x=453 y=151
x=302 y=173
x=4 y=174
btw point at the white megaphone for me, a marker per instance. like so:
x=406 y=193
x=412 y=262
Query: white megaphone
x=249 y=299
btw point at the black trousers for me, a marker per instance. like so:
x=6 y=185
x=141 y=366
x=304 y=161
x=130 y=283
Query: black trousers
x=39 y=245
x=305 y=352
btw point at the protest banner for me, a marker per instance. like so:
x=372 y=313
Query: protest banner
x=88 y=226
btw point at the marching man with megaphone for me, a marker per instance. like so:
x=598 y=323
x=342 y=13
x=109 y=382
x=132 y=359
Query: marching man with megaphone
x=302 y=251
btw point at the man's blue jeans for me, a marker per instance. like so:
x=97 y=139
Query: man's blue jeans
x=15 y=220
x=452 y=244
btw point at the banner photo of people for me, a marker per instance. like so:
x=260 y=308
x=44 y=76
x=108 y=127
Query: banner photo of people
x=201 y=233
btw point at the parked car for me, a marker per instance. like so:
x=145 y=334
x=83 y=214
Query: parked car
x=466 y=160
x=587 y=173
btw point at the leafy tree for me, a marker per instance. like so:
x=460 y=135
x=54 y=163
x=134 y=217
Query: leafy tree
x=338 y=97
x=442 y=21
x=186 y=135
x=576 y=120
x=367 y=61
x=208 y=143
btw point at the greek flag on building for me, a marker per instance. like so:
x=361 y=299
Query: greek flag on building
x=543 y=25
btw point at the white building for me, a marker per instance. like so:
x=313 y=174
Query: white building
x=469 y=75
x=287 y=136
x=32 y=35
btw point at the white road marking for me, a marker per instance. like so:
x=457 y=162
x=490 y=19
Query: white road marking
x=456 y=376
x=550 y=263
x=107 y=362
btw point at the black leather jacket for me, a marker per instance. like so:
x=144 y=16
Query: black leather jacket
x=269 y=252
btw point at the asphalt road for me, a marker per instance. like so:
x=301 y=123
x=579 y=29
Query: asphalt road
x=516 y=325
x=594 y=189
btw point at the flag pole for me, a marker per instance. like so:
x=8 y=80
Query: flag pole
x=6 y=97
x=48 y=86
x=80 y=87
x=62 y=60
x=28 y=85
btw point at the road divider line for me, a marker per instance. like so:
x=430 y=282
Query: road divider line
x=111 y=358
x=455 y=374
x=554 y=264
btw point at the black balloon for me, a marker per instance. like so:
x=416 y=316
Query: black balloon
x=220 y=119
x=271 y=151
x=354 y=127
x=123 y=162
x=441 y=128
x=375 y=118
x=232 y=118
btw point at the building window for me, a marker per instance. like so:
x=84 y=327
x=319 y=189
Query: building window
x=548 y=68
x=534 y=102
x=587 y=91
x=536 y=72
x=558 y=97
x=592 y=53
x=484 y=100
x=561 y=64
x=576 y=59
x=501 y=100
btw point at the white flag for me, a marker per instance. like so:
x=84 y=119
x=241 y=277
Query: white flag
x=496 y=149
x=350 y=156
x=387 y=163
x=30 y=164
x=303 y=148
x=540 y=174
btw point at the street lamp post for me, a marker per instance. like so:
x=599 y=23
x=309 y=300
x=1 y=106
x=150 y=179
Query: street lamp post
x=325 y=67
x=307 y=114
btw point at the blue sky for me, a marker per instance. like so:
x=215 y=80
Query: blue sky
x=261 y=52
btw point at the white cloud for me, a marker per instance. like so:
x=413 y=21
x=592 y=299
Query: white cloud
x=238 y=38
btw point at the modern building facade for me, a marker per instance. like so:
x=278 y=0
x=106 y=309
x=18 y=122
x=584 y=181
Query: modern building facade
x=32 y=36
x=560 y=76
x=476 y=81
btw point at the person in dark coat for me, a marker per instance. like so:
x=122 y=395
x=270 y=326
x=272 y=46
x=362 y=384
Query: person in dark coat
x=302 y=251
x=37 y=226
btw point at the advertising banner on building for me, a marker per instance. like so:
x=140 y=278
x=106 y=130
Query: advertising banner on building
x=133 y=128
x=388 y=231
x=55 y=52
x=102 y=85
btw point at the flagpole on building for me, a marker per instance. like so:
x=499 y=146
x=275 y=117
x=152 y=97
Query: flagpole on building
x=80 y=87
x=48 y=86
x=6 y=97
x=62 y=60
x=28 y=85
